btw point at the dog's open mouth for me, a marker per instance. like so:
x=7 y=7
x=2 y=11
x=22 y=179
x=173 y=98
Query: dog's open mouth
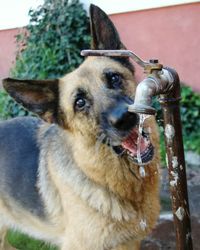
x=140 y=151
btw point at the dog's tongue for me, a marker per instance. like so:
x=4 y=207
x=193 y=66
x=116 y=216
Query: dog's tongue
x=130 y=143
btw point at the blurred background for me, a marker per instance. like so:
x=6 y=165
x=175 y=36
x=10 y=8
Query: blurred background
x=167 y=30
x=43 y=38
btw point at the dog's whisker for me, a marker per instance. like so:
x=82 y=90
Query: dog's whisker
x=102 y=137
x=133 y=173
x=97 y=146
x=99 y=142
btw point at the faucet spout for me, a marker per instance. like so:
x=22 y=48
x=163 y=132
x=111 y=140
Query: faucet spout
x=158 y=83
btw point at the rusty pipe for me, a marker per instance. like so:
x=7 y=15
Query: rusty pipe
x=170 y=103
x=166 y=84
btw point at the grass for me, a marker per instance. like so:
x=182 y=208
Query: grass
x=24 y=242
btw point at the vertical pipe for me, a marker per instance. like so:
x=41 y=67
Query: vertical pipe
x=176 y=165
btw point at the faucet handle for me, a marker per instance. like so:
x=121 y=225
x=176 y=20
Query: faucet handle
x=148 y=67
x=152 y=65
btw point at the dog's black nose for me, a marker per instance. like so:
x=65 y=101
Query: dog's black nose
x=121 y=119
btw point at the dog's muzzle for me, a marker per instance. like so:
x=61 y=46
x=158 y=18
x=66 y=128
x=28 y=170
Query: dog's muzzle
x=121 y=127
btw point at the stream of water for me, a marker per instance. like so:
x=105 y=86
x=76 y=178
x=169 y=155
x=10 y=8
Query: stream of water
x=142 y=118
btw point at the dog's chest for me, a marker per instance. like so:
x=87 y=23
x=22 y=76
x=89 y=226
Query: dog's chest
x=91 y=228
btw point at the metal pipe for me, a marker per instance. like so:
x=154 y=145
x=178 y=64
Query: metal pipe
x=176 y=164
x=167 y=85
x=116 y=53
x=121 y=53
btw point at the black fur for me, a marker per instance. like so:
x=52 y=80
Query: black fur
x=19 y=156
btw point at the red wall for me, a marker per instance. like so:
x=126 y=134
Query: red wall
x=170 y=34
x=7 y=51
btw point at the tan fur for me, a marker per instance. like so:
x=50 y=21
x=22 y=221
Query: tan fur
x=112 y=183
x=93 y=201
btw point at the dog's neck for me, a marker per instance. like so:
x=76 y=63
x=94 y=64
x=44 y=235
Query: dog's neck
x=103 y=166
x=98 y=175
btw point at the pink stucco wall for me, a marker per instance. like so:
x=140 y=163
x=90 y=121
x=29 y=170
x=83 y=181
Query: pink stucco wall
x=7 y=51
x=170 y=34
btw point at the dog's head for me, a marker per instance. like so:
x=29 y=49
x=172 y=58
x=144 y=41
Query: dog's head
x=93 y=100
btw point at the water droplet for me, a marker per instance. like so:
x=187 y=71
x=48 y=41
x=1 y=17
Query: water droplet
x=142 y=171
x=143 y=224
x=142 y=118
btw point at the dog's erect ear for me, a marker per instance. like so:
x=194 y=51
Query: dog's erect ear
x=38 y=96
x=104 y=33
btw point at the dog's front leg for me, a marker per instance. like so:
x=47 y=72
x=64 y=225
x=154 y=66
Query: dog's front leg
x=3 y=232
x=4 y=245
x=70 y=244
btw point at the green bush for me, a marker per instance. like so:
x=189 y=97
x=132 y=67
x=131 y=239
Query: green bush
x=9 y=108
x=49 y=47
x=190 y=117
x=24 y=242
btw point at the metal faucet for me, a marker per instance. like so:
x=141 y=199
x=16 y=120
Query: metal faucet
x=158 y=82
x=163 y=82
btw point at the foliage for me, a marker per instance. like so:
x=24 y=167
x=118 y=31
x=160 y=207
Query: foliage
x=50 y=45
x=190 y=116
x=23 y=242
x=9 y=108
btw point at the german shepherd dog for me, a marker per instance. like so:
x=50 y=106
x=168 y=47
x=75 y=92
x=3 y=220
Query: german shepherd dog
x=72 y=178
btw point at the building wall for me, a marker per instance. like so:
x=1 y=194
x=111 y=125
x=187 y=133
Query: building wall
x=114 y=7
x=7 y=51
x=171 y=34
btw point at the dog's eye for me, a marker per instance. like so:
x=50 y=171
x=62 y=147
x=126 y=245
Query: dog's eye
x=114 y=80
x=80 y=103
